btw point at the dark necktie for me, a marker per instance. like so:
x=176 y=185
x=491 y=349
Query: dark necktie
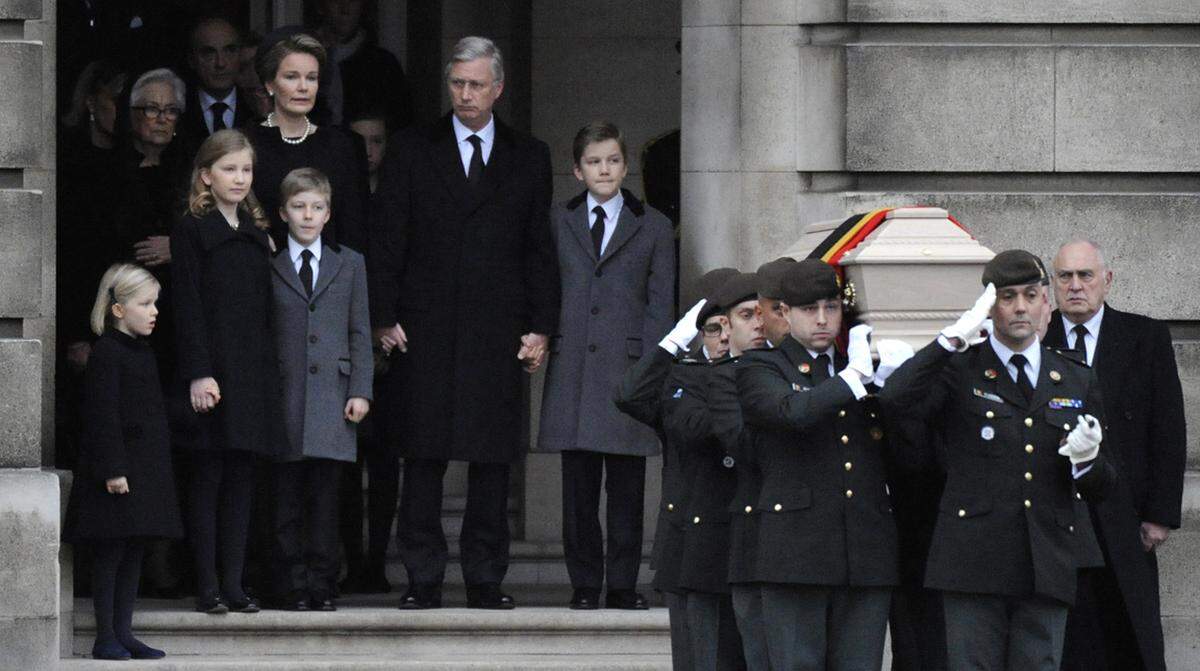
x=475 y=171
x=218 y=115
x=598 y=230
x=820 y=368
x=1080 y=346
x=306 y=272
x=1023 y=384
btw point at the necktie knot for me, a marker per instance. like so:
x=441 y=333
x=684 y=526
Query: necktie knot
x=475 y=141
x=1080 y=331
x=306 y=255
x=820 y=369
x=218 y=115
x=1023 y=383
x=1019 y=361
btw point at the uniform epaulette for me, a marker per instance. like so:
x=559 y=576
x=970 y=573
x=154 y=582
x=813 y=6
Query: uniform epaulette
x=689 y=361
x=1077 y=358
x=724 y=360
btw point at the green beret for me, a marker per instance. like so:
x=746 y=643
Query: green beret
x=769 y=275
x=808 y=281
x=1014 y=267
x=737 y=289
x=706 y=287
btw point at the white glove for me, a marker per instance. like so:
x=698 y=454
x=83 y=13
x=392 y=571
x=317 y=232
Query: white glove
x=684 y=332
x=858 y=350
x=967 y=328
x=892 y=353
x=1083 y=443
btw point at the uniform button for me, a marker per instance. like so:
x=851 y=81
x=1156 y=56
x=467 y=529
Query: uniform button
x=990 y=415
x=595 y=311
x=598 y=272
x=841 y=413
x=696 y=520
x=1028 y=421
x=312 y=338
x=1078 y=496
x=1071 y=528
x=849 y=493
x=845 y=439
x=670 y=506
x=1028 y=476
x=313 y=369
x=1028 y=503
x=749 y=509
x=1066 y=427
x=591 y=348
x=849 y=465
x=962 y=513
x=1029 y=449
x=778 y=507
x=312 y=307
x=872 y=415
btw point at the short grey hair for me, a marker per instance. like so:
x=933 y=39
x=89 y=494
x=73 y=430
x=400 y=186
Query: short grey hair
x=472 y=48
x=155 y=77
x=1085 y=241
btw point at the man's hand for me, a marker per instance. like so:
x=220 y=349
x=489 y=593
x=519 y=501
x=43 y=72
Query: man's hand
x=966 y=330
x=858 y=350
x=205 y=394
x=684 y=332
x=357 y=408
x=533 y=351
x=153 y=251
x=1083 y=443
x=892 y=354
x=1153 y=535
x=392 y=337
x=117 y=485
x=78 y=353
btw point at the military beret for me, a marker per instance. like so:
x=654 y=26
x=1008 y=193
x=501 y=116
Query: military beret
x=737 y=289
x=809 y=281
x=1014 y=267
x=706 y=287
x=769 y=274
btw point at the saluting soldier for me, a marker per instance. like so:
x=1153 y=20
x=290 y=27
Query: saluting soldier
x=826 y=556
x=1006 y=411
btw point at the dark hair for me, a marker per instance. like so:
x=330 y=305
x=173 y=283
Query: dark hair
x=269 y=56
x=207 y=18
x=365 y=113
x=597 y=131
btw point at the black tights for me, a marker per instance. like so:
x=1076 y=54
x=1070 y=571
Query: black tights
x=220 y=489
x=116 y=567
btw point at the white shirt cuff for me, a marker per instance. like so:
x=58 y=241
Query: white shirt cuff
x=670 y=347
x=1077 y=472
x=945 y=343
x=854 y=382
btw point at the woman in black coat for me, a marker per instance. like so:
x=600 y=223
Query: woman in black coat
x=124 y=489
x=222 y=287
x=288 y=140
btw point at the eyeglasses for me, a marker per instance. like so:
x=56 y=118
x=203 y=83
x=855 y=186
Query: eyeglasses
x=711 y=329
x=156 y=112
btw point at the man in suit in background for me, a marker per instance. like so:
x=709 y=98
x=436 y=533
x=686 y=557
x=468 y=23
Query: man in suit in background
x=464 y=293
x=214 y=103
x=1116 y=621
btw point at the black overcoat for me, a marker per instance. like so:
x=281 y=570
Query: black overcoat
x=125 y=434
x=222 y=283
x=1006 y=519
x=737 y=442
x=466 y=271
x=827 y=516
x=1143 y=406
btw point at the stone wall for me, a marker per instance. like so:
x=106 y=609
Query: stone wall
x=1030 y=121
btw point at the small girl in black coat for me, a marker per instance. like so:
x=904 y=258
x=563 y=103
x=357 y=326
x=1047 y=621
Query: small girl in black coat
x=124 y=491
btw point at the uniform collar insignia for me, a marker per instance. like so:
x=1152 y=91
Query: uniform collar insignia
x=805 y=368
x=1056 y=376
x=991 y=374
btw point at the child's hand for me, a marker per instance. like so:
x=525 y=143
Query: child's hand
x=205 y=394
x=357 y=408
x=117 y=485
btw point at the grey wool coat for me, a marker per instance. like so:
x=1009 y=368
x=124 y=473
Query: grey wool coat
x=613 y=309
x=324 y=346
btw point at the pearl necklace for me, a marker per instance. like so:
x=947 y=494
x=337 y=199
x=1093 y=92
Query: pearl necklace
x=307 y=130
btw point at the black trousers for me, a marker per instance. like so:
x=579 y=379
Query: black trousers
x=918 y=629
x=485 y=536
x=624 y=479
x=1099 y=635
x=383 y=493
x=987 y=632
x=219 y=498
x=304 y=517
x=817 y=628
x=116 y=567
x=715 y=643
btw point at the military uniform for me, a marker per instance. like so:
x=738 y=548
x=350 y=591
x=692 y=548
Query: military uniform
x=826 y=554
x=1005 y=550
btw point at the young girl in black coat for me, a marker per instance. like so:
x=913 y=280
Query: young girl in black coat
x=124 y=490
x=222 y=290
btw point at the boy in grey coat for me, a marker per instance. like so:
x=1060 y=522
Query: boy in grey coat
x=617 y=263
x=322 y=333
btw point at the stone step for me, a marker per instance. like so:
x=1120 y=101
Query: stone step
x=530 y=563
x=447 y=662
x=373 y=627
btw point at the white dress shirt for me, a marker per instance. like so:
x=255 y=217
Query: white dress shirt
x=294 y=250
x=487 y=135
x=612 y=210
x=1093 y=332
x=1033 y=359
x=206 y=103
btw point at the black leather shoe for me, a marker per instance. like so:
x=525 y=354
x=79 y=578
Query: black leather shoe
x=625 y=599
x=139 y=650
x=211 y=604
x=585 y=598
x=299 y=605
x=243 y=604
x=323 y=604
x=489 y=597
x=421 y=597
x=109 y=649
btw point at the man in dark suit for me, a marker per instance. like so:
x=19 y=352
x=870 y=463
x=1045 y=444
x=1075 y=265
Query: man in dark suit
x=1116 y=621
x=464 y=292
x=214 y=103
x=1004 y=551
